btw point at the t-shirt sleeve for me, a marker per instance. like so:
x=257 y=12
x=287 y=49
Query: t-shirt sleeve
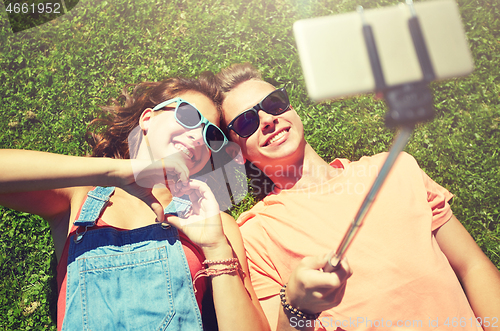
x=264 y=284
x=438 y=198
x=266 y=280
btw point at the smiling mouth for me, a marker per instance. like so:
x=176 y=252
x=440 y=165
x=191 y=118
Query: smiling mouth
x=277 y=136
x=185 y=150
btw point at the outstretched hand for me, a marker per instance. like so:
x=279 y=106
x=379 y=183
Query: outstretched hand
x=138 y=177
x=311 y=290
x=202 y=224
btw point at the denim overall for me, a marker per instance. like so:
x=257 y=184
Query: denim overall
x=128 y=280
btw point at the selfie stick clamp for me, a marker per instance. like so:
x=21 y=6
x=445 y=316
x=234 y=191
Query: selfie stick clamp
x=408 y=104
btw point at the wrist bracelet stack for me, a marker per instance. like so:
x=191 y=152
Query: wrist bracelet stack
x=293 y=310
x=231 y=265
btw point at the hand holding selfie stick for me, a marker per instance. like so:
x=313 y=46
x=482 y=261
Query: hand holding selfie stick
x=408 y=104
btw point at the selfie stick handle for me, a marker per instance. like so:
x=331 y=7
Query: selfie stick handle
x=408 y=104
x=335 y=257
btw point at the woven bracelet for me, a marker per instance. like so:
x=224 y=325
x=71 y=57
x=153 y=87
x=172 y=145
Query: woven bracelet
x=293 y=310
x=210 y=272
x=226 y=261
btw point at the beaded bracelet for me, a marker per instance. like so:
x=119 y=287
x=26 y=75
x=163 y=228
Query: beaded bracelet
x=293 y=310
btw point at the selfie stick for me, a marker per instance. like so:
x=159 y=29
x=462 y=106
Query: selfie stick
x=408 y=104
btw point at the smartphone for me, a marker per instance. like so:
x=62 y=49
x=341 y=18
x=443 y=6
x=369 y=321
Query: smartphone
x=335 y=60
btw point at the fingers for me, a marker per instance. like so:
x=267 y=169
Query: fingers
x=196 y=190
x=175 y=221
x=343 y=271
x=345 y=268
x=156 y=206
x=166 y=171
x=175 y=169
x=201 y=197
x=313 y=264
x=335 y=297
x=314 y=290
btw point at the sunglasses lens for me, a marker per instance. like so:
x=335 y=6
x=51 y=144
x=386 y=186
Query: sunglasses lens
x=246 y=123
x=188 y=115
x=214 y=137
x=275 y=103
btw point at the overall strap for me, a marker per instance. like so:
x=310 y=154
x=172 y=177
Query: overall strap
x=178 y=206
x=99 y=197
x=92 y=208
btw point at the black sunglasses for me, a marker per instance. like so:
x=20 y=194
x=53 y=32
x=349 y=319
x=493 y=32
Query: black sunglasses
x=246 y=123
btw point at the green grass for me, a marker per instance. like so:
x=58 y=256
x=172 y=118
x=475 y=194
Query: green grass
x=56 y=75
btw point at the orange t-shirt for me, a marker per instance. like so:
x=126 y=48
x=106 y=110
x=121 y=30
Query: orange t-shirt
x=401 y=278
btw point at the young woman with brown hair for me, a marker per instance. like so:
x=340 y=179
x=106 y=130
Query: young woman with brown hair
x=121 y=263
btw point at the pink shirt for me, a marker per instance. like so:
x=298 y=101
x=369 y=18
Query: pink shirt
x=400 y=275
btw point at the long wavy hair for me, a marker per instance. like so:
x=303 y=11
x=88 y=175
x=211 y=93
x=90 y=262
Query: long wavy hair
x=108 y=135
